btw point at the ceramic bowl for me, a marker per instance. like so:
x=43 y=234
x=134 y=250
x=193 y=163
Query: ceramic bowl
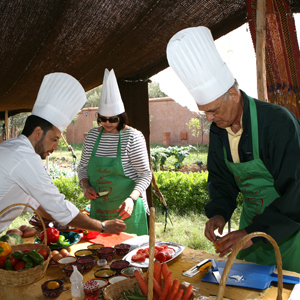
x=66 y=260
x=68 y=269
x=118 y=265
x=122 y=249
x=83 y=253
x=94 y=248
x=102 y=262
x=116 y=278
x=87 y=261
x=129 y=271
x=102 y=284
x=52 y=293
x=107 y=253
x=104 y=273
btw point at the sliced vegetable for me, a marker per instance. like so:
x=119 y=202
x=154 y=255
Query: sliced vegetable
x=141 y=257
x=206 y=267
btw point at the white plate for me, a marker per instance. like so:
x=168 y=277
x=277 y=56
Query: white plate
x=177 y=248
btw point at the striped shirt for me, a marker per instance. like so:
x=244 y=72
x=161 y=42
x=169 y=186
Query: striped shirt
x=134 y=156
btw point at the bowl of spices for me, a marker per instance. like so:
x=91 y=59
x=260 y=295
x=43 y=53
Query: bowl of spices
x=87 y=261
x=122 y=249
x=104 y=273
x=107 y=253
x=118 y=265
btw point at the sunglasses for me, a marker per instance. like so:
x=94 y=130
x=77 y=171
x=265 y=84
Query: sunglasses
x=110 y=120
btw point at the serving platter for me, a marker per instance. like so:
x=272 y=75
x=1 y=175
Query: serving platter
x=177 y=248
x=72 y=237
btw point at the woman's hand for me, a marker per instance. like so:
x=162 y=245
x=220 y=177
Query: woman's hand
x=90 y=193
x=126 y=208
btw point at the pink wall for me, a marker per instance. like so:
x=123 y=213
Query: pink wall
x=167 y=126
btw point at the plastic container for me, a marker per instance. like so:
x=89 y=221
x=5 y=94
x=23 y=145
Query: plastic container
x=77 y=290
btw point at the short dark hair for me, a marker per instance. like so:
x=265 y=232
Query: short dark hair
x=34 y=121
x=123 y=120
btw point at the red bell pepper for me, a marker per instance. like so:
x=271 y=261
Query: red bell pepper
x=52 y=235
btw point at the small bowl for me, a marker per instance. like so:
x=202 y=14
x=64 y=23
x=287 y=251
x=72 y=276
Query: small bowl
x=107 y=253
x=116 y=278
x=68 y=269
x=52 y=293
x=119 y=265
x=83 y=253
x=94 y=248
x=102 y=262
x=122 y=249
x=66 y=260
x=88 y=262
x=102 y=283
x=104 y=273
x=129 y=271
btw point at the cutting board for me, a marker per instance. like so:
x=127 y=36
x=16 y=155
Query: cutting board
x=253 y=276
x=109 y=240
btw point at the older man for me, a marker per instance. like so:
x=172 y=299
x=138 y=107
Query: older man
x=254 y=149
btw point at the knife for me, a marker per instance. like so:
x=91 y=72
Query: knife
x=215 y=271
x=195 y=270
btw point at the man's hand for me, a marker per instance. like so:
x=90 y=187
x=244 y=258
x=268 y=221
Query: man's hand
x=90 y=193
x=126 y=208
x=114 y=226
x=216 y=222
x=230 y=241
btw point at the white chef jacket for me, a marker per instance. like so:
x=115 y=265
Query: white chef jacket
x=24 y=179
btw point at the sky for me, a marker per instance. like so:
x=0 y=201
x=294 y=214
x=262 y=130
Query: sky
x=236 y=49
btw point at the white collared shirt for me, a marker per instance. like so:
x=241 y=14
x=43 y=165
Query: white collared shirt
x=24 y=179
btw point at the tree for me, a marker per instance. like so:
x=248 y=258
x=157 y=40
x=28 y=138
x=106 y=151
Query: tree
x=93 y=97
x=194 y=126
x=154 y=90
x=205 y=125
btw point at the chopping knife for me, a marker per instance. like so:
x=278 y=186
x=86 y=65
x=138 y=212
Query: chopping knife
x=215 y=271
x=196 y=269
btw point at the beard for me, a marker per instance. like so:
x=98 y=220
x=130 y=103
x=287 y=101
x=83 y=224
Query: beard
x=40 y=149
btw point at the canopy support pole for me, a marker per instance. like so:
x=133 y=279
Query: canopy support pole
x=6 y=124
x=261 y=50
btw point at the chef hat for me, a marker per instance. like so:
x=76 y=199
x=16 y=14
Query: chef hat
x=110 y=103
x=59 y=99
x=192 y=54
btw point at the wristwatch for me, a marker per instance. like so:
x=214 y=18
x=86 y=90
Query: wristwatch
x=134 y=200
x=103 y=227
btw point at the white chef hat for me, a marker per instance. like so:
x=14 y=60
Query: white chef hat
x=110 y=103
x=59 y=99
x=192 y=54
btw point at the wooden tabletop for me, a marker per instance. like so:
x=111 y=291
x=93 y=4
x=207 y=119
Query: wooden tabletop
x=186 y=260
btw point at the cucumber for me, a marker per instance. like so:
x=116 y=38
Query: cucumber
x=12 y=239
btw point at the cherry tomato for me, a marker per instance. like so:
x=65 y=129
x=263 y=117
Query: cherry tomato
x=44 y=253
x=52 y=235
x=2 y=262
x=20 y=265
x=13 y=260
x=26 y=251
x=139 y=257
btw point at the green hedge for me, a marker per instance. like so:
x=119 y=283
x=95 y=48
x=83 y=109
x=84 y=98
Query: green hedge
x=184 y=192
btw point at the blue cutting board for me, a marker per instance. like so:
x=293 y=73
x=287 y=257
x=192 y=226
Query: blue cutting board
x=254 y=276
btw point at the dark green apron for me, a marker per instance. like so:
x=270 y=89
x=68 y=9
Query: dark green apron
x=257 y=185
x=107 y=174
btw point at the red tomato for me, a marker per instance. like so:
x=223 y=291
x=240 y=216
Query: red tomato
x=2 y=262
x=20 y=265
x=26 y=251
x=160 y=256
x=52 y=235
x=140 y=251
x=159 y=247
x=13 y=260
x=44 y=253
x=139 y=257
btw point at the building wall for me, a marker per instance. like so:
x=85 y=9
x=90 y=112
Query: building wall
x=168 y=124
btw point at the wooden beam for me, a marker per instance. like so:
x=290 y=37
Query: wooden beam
x=260 y=50
x=6 y=125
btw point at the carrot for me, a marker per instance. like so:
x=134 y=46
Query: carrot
x=157 y=271
x=165 y=270
x=157 y=288
x=173 y=291
x=167 y=287
x=188 y=292
x=179 y=295
x=142 y=282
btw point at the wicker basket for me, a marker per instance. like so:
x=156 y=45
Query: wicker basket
x=18 y=278
x=237 y=249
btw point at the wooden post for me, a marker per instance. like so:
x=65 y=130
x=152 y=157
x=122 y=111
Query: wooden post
x=6 y=124
x=260 y=50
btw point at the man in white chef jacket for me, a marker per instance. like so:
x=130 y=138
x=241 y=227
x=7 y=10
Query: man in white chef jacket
x=23 y=176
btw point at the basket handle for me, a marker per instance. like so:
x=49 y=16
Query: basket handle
x=44 y=227
x=234 y=253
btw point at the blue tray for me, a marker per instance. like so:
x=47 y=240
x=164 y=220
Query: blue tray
x=254 y=276
x=71 y=236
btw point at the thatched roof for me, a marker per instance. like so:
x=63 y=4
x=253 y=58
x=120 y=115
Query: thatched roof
x=83 y=38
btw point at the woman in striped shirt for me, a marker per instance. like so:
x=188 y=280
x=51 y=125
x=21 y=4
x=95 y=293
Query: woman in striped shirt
x=114 y=170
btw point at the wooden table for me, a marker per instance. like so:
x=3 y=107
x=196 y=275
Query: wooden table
x=185 y=261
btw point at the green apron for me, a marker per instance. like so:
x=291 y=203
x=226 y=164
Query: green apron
x=257 y=185
x=107 y=174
